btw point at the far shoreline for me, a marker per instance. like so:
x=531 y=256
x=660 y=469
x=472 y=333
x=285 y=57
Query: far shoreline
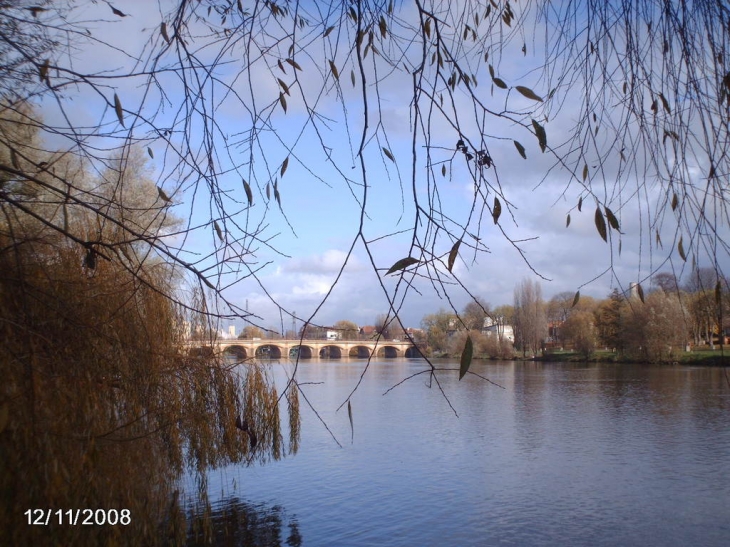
x=705 y=358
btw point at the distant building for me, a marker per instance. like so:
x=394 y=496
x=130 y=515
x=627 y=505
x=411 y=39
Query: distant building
x=554 y=330
x=497 y=327
x=187 y=330
x=368 y=331
x=230 y=334
x=453 y=327
x=633 y=290
x=333 y=335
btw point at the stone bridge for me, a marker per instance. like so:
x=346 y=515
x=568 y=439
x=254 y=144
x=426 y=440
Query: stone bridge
x=307 y=349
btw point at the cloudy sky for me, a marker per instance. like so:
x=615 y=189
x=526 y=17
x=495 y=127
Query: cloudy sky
x=301 y=248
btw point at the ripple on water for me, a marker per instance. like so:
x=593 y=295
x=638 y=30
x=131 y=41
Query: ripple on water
x=565 y=455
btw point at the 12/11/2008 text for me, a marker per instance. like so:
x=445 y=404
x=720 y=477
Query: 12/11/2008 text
x=78 y=517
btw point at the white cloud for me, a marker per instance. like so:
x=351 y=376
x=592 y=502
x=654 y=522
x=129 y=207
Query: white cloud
x=323 y=209
x=328 y=262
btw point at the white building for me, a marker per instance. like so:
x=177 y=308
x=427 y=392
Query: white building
x=495 y=326
x=187 y=330
x=228 y=335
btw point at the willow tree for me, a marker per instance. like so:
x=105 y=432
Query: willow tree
x=99 y=403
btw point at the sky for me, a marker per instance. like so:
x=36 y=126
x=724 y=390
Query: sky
x=311 y=241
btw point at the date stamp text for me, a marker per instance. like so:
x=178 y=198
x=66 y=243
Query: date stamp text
x=79 y=517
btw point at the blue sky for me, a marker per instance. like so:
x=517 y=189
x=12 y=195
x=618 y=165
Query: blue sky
x=320 y=214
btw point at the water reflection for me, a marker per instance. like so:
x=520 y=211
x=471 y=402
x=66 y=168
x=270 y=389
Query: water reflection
x=566 y=454
x=233 y=522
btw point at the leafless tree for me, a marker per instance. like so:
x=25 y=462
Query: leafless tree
x=530 y=317
x=475 y=312
x=665 y=281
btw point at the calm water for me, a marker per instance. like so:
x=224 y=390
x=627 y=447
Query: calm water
x=565 y=454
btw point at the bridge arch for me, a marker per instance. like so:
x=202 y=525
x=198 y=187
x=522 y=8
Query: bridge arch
x=413 y=352
x=234 y=350
x=388 y=352
x=303 y=352
x=331 y=352
x=268 y=351
x=359 y=352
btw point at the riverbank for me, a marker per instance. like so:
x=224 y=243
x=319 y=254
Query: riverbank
x=700 y=358
x=710 y=358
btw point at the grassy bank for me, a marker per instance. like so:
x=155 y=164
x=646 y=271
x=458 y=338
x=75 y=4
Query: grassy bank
x=696 y=357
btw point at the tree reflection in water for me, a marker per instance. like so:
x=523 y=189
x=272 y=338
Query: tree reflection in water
x=232 y=522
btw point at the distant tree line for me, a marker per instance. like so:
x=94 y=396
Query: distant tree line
x=653 y=326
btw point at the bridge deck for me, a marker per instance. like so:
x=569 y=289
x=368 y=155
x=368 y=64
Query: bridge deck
x=307 y=349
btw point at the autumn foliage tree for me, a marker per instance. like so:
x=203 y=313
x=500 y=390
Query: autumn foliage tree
x=347 y=329
x=438 y=326
x=656 y=329
x=251 y=331
x=100 y=405
x=580 y=329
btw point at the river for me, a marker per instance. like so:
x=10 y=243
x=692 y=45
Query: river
x=561 y=454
